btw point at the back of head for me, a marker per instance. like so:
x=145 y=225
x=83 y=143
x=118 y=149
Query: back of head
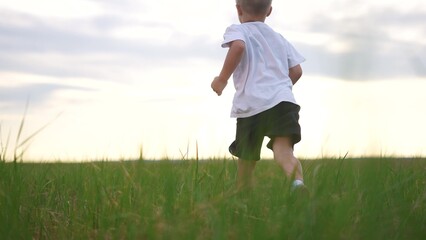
x=255 y=7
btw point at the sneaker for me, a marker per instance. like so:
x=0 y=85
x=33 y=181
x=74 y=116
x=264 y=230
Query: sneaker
x=300 y=192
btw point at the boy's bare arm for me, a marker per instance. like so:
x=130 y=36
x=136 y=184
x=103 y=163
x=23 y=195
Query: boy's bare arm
x=295 y=73
x=233 y=58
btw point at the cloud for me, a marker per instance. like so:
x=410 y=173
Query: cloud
x=367 y=60
x=375 y=45
x=123 y=6
x=13 y=97
x=53 y=8
x=90 y=47
x=113 y=45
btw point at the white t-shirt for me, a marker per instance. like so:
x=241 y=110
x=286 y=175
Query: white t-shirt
x=261 y=79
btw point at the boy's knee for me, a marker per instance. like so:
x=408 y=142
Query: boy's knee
x=282 y=143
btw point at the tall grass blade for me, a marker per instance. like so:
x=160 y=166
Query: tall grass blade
x=3 y=146
x=196 y=150
x=141 y=158
x=18 y=136
x=340 y=167
x=195 y=177
x=20 y=145
x=26 y=140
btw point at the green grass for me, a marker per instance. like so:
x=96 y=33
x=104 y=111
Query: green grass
x=350 y=199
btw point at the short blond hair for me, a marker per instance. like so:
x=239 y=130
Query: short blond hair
x=255 y=7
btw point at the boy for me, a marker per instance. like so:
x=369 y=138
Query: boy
x=265 y=66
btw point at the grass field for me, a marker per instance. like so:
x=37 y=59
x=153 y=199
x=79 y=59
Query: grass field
x=350 y=199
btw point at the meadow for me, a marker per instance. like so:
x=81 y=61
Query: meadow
x=370 y=198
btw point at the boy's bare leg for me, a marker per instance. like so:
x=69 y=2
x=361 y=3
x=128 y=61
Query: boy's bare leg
x=283 y=154
x=245 y=173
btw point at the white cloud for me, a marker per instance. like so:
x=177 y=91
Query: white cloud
x=52 y=9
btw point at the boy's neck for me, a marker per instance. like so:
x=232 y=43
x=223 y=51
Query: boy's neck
x=246 y=19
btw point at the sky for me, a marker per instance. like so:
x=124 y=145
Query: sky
x=112 y=79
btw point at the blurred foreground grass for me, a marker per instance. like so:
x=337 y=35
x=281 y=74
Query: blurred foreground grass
x=350 y=199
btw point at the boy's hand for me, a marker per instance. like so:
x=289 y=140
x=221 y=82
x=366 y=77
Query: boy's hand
x=218 y=85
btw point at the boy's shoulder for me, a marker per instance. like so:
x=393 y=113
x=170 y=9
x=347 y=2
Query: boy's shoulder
x=257 y=28
x=250 y=27
x=233 y=27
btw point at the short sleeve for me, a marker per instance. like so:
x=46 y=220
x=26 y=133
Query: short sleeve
x=232 y=33
x=293 y=56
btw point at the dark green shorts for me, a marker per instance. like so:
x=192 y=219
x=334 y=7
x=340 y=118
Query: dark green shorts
x=280 y=121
